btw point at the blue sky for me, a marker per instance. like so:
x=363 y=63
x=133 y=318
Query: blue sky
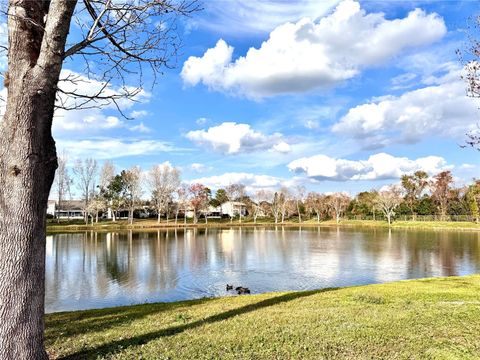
x=334 y=95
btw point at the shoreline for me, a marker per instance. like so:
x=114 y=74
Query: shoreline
x=153 y=225
x=423 y=318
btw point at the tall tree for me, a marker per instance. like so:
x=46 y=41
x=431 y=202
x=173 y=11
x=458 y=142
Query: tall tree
x=388 y=200
x=414 y=186
x=63 y=180
x=164 y=180
x=338 y=203
x=235 y=192
x=316 y=203
x=199 y=200
x=132 y=189
x=85 y=172
x=441 y=191
x=299 y=195
x=37 y=37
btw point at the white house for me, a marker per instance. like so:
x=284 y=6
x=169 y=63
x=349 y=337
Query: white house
x=234 y=208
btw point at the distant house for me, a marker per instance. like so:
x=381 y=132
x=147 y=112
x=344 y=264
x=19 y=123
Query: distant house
x=229 y=208
x=233 y=208
x=69 y=209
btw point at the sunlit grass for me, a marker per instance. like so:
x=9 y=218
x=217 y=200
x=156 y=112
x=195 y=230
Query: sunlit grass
x=419 y=319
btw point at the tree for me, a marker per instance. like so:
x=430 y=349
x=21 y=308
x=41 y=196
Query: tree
x=37 y=37
x=235 y=192
x=299 y=195
x=365 y=203
x=112 y=195
x=414 y=185
x=85 y=172
x=259 y=198
x=472 y=198
x=181 y=194
x=131 y=189
x=220 y=198
x=164 y=180
x=315 y=203
x=62 y=180
x=388 y=200
x=283 y=202
x=441 y=191
x=338 y=203
x=199 y=199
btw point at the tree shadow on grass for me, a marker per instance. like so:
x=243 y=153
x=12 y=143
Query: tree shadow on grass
x=71 y=324
x=115 y=346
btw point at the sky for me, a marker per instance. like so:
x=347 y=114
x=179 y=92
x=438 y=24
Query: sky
x=332 y=95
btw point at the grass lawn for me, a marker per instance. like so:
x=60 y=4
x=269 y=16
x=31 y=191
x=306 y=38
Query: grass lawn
x=419 y=319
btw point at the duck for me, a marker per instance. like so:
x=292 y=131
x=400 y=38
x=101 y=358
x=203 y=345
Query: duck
x=229 y=287
x=242 y=290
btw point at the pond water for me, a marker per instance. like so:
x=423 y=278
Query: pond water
x=94 y=269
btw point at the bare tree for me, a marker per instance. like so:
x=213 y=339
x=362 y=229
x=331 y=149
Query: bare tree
x=275 y=206
x=164 y=180
x=316 y=203
x=85 y=172
x=62 y=180
x=107 y=173
x=283 y=202
x=338 y=203
x=388 y=200
x=123 y=37
x=181 y=194
x=235 y=192
x=259 y=198
x=299 y=195
x=132 y=189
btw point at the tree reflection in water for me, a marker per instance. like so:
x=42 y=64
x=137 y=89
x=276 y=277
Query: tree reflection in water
x=98 y=269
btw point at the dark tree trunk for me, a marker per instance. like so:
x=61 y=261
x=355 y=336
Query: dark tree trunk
x=27 y=168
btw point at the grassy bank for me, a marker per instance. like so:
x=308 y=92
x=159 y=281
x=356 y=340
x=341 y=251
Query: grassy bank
x=53 y=227
x=420 y=319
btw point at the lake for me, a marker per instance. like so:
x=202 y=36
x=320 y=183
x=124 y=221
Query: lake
x=98 y=269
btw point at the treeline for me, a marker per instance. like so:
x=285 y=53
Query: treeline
x=160 y=192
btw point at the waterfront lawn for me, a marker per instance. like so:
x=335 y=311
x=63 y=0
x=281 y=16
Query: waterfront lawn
x=419 y=319
x=108 y=225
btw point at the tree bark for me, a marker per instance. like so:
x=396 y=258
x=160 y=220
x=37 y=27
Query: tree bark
x=27 y=168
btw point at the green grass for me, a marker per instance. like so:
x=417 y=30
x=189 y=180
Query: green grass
x=419 y=319
x=53 y=227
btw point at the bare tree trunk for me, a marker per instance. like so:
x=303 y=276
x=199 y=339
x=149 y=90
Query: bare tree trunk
x=27 y=168
x=159 y=214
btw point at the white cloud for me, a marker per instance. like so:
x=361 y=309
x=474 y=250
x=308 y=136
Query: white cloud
x=94 y=116
x=140 y=128
x=199 y=168
x=306 y=55
x=201 y=121
x=252 y=182
x=252 y=17
x=282 y=147
x=377 y=167
x=113 y=148
x=137 y=114
x=233 y=138
x=438 y=110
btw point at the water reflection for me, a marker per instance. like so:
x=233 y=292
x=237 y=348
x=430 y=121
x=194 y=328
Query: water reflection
x=90 y=269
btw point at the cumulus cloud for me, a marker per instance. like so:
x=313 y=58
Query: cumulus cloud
x=377 y=167
x=439 y=110
x=306 y=55
x=233 y=138
x=114 y=148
